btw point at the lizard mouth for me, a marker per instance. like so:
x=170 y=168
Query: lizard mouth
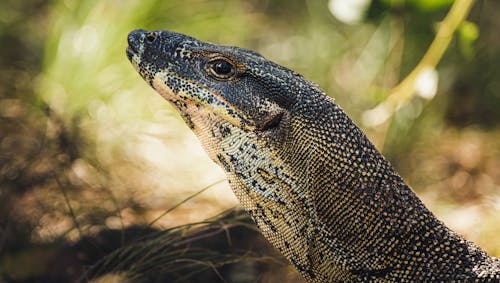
x=134 y=57
x=135 y=47
x=130 y=52
x=181 y=99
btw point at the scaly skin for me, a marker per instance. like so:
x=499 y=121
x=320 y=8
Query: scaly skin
x=316 y=187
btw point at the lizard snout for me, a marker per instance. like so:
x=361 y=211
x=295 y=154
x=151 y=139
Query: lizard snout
x=135 y=39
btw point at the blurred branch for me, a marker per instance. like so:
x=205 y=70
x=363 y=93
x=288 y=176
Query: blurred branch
x=70 y=208
x=405 y=90
x=185 y=200
x=458 y=12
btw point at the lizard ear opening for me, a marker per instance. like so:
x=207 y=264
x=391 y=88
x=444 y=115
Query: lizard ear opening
x=271 y=123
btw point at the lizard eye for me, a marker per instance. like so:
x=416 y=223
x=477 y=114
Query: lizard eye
x=221 y=69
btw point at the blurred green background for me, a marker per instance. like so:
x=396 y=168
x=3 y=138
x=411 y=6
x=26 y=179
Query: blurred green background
x=87 y=148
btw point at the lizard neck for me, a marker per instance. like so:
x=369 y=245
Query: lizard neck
x=364 y=215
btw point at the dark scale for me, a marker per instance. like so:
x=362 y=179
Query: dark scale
x=225 y=131
x=353 y=218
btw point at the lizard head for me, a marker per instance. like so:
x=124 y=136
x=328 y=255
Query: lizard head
x=224 y=80
x=227 y=95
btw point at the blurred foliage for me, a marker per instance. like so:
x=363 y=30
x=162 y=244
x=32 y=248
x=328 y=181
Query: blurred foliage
x=89 y=155
x=422 y=5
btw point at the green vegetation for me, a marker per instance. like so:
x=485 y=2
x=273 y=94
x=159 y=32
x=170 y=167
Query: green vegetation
x=90 y=156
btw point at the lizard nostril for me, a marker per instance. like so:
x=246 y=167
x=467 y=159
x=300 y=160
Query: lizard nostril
x=151 y=36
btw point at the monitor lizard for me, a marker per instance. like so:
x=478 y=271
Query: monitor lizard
x=317 y=188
